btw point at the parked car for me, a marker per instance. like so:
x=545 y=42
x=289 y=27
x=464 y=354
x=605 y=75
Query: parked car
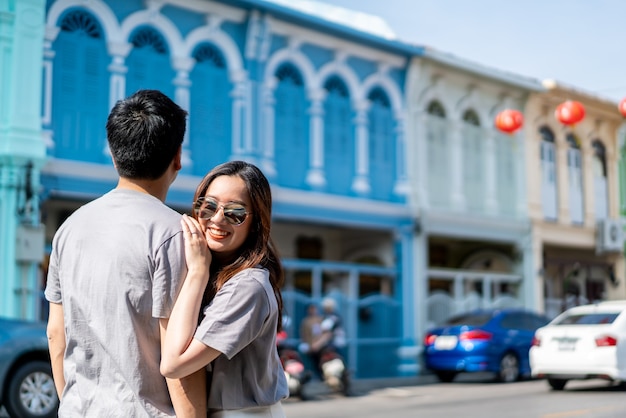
x=489 y=340
x=584 y=342
x=26 y=386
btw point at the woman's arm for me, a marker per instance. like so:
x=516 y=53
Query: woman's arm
x=182 y=354
x=188 y=394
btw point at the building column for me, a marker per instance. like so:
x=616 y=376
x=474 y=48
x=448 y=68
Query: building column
x=410 y=248
x=361 y=184
x=401 y=186
x=315 y=177
x=22 y=154
x=456 y=167
x=241 y=117
x=117 y=81
x=182 y=97
x=589 y=215
x=491 y=200
x=562 y=179
x=268 y=122
x=420 y=174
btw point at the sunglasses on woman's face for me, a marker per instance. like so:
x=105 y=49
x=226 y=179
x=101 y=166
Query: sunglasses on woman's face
x=207 y=207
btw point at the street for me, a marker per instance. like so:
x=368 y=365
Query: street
x=471 y=398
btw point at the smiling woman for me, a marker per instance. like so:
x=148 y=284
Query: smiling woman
x=234 y=279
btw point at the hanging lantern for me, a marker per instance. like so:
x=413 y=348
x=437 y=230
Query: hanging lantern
x=509 y=120
x=570 y=112
x=622 y=107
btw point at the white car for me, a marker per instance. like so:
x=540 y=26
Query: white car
x=584 y=342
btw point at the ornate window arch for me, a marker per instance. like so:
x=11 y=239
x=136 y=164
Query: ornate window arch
x=473 y=161
x=210 y=119
x=339 y=147
x=291 y=129
x=575 y=177
x=148 y=63
x=382 y=144
x=80 y=87
x=437 y=153
x=549 y=185
x=435 y=108
x=471 y=117
x=600 y=183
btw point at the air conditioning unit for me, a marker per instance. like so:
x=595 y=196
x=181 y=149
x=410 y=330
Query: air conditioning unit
x=610 y=236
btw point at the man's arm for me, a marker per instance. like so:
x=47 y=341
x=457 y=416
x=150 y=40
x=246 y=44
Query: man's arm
x=189 y=394
x=56 y=345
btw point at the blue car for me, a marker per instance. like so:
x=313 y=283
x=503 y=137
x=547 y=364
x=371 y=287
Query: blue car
x=488 y=340
x=26 y=386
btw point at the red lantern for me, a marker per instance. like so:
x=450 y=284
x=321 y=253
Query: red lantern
x=622 y=107
x=509 y=120
x=570 y=112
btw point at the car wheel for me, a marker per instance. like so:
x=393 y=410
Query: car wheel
x=557 y=384
x=509 y=368
x=445 y=376
x=31 y=392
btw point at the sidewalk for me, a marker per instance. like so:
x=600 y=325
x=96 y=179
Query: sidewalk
x=317 y=388
x=367 y=385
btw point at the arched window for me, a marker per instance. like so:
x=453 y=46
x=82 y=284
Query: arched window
x=471 y=117
x=148 y=63
x=473 y=162
x=600 y=180
x=210 y=116
x=382 y=145
x=80 y=89
x=435 y=108
x=549 y=195
x=338 y=137
x=575 y=177
x=437 y=153
x=291 y=127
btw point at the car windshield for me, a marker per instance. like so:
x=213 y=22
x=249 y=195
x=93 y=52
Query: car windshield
x=596 y=318
x=472 y=319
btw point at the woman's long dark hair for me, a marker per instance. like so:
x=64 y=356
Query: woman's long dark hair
x=258 y=249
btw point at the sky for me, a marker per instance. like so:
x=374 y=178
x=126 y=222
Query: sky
x=575 y=42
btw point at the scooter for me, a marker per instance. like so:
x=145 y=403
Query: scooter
x=335 y=373
x=295 y=372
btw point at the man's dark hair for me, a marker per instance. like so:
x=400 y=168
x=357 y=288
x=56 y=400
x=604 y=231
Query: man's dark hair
x=145 y=131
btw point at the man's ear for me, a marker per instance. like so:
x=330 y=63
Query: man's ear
x=177 y=159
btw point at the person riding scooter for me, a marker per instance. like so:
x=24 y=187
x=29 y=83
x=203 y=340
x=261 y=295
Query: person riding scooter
x=327 y=346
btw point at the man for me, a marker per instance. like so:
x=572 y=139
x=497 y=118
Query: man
x=310 y=331
x=116 y=267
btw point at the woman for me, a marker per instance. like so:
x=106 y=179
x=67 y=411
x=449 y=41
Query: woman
x=229 y=253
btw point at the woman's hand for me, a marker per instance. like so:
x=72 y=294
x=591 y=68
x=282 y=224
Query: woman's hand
x=197 y=253
x=181 y=355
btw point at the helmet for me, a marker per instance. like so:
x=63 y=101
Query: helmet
x=329 y=304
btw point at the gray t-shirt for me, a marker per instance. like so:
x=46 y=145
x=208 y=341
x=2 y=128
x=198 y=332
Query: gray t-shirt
x=241 y=323
x=116 y=265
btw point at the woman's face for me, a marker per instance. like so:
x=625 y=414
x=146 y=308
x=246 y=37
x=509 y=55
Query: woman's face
x=224 y=238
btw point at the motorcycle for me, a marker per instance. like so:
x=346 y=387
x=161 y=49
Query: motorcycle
x=295 y=372
x=334 y=371
x=331 y=365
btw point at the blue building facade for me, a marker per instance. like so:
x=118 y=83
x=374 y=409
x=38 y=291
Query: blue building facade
x=318 y=106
